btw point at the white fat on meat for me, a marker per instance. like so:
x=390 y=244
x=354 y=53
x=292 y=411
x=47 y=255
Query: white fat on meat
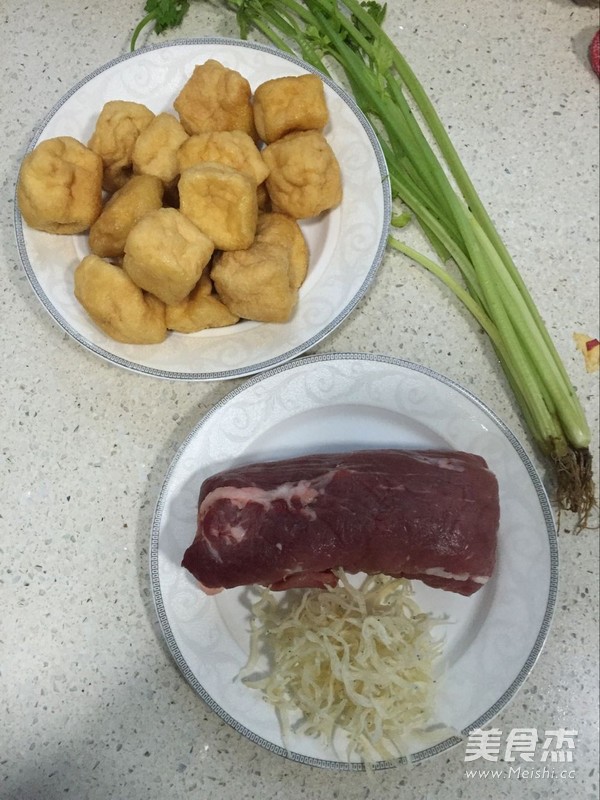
x=304 y=492
x=443 y=462
x=439 y=572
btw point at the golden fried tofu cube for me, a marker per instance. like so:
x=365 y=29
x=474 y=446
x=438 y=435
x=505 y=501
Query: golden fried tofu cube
x=304 y=175
x=200 y=310
x=59 y=189
x=155 y=149
x=283 y=230
x=233 y=148
x=221 y=202
x=293 y=103
x=165 y=254
x=215 y=98
x=256 y=283
x=117 y=128
x=119 y=307
x=140 y=195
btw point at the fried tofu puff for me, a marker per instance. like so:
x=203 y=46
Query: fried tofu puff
x=215 y=98
x=261 y=283
x=304 y=175
x=200 y=310
x=119 y=307
x=117 y=128
x=140 y=195
x=233 y=148
x=60 y=186
x=155 y=149
x=281 y=229
x=165 y=254
x=294 y=103
x=221 y=202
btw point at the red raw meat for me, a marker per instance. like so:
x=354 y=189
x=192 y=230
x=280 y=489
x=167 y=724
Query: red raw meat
x=429 y=515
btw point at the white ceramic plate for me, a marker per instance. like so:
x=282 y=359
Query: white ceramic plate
x=346 y=402
x=346 y=245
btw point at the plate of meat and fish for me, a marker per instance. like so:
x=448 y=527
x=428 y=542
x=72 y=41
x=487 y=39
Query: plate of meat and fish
x=479 y=540
x=345 y=243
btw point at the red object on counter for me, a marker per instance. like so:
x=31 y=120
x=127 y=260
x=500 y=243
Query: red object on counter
x=595 y=53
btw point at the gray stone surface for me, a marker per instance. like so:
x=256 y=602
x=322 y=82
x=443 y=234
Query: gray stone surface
x=92 y=706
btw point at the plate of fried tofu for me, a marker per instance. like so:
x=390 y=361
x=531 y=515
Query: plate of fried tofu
x=204 y=209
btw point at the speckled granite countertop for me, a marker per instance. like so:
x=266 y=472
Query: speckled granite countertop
x=92 y=705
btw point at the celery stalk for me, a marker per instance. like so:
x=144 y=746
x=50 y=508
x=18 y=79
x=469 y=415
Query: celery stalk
x=456 y=222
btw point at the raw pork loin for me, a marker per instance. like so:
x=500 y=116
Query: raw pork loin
x=429 y=515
